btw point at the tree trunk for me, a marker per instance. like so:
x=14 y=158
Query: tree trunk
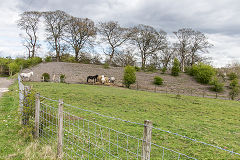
x=143 y=63
x=76 y=55
x=58 y=57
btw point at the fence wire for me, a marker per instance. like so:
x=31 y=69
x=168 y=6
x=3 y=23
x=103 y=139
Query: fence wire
x=86 y=138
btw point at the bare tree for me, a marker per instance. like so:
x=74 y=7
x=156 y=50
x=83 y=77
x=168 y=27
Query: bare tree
x=189 y=44
x=124 y=58
x=148 y=41
x=199 y=44
x=114 y=35
x=79 y=33
x=55 y=22
x=29 y=23
x=183 y=44
x=167 y=55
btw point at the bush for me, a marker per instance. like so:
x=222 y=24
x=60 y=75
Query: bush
x=14 y=68
x=46 y=77
x=68 y=58
x=232 y=76
x=188 y=70
x=150 y=68
x=176 y=67
x=217 y=85
x=35 y=60
x=62 y=78
x=164 y=69
x=234 y=93
x=48 y=59
x=129 y=76
x=106 y=66
x=22 y=62
x=234 y=83
x=137 y=68
x=158 y=80
x=203 y=73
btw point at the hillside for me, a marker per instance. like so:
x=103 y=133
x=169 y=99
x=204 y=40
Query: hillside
x=77 y=73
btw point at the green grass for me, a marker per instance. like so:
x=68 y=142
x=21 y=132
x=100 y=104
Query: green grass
x=13 y=141
x=210 y=120
x=10 y=140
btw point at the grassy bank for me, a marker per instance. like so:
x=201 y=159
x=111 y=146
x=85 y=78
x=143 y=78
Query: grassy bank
x=209 y=120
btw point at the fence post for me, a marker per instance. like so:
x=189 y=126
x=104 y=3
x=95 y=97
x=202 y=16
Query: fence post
x=25 y=116
x=216 y=95
x=155 y=89
x=37 y=112
x=137 y=85
x=147 y=137
x=60 y=130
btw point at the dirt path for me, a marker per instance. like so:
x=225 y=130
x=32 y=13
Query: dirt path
x=4 y=84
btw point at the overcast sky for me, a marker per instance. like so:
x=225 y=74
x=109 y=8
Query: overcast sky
x=218 y=19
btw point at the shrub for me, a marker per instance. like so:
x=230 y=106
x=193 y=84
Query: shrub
x=106 y=66
x=129 y=76
x=234 y=93
x=176 y=67
x=68 y=58
x=62 y=78
x=217 y=85
x=46 y=77
x=234 y=83
x=150 y=68
x=203 y=73
x=48 y=59
x=158 y=80
x=14 y=68
x=188 y=70
x=137 y=68
x=232 y=76
x=164 y=69
x=35 y=60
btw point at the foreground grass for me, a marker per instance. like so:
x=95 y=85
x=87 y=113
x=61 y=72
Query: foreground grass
x=13 y=143
x=210 y=120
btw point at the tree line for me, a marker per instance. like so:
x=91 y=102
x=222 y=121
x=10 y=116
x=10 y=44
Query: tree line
x=121 y=45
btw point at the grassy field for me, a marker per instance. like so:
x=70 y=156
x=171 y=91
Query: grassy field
x=13 y=143
x=213 y=121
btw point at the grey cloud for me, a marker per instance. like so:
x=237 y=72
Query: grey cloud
x=209 y=16
x=218 y=18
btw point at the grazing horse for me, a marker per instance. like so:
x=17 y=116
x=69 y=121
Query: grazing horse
x=92 y=77
x=26 y=75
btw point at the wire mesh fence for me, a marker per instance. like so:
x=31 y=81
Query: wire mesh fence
x=90 y=135
x=184 y=91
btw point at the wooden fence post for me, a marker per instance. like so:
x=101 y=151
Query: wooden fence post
x=155 y=89
x=137 y=85
x=60 y=130
x=37 y=112
x=147 y=137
